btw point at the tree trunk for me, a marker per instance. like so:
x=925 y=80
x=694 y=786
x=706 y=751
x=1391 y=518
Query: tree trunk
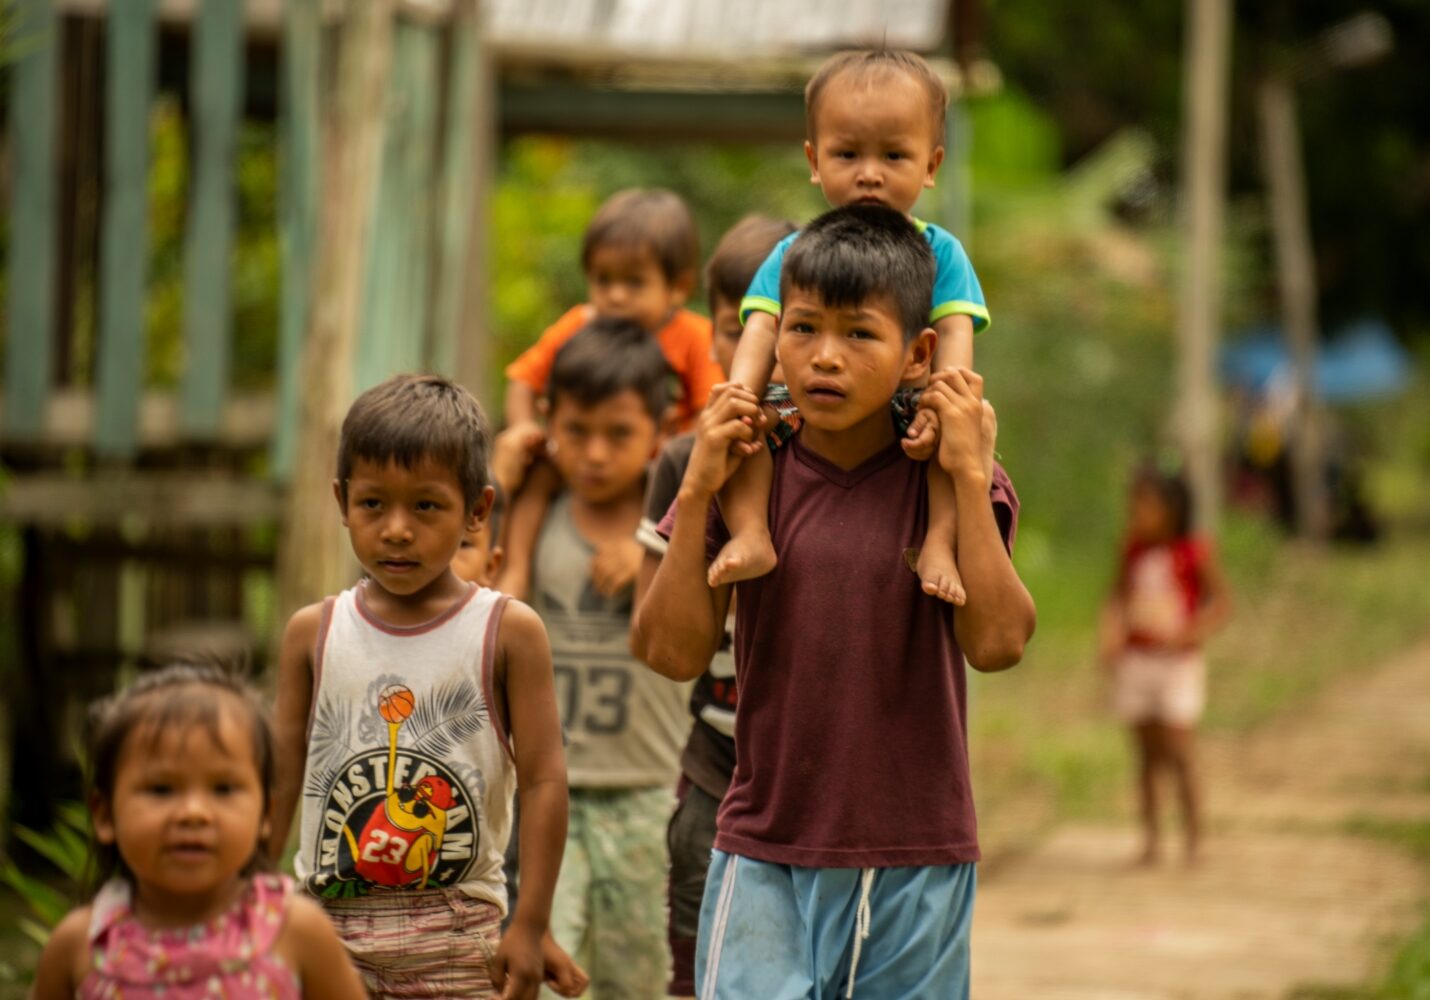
x=1296 y=276
x=1204 y=176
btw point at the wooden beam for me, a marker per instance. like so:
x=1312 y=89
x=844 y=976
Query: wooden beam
x=69 y=420
x=30 y=318
x=573 y=108
x=216 y=83
x=300 y=164
x=473 y=358
x=185 y=499
x=124 y=231
x=397 y=284
x=314 y=556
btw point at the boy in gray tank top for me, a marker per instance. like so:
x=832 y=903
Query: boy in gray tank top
x=607 y=397
x=409 y=709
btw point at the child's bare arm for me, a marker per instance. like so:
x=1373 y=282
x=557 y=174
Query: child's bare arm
x=520 y=404
x=293 y=703
x=62 y=962
x=1111 y=631
x=955 y=343
x=679 y=624
x=998 y=618
x=523 y=526
x=312 y=947
x=1215 y=607
x=754 y=359
x=524 y=660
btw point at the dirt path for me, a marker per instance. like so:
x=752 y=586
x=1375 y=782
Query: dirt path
x=1286 y=896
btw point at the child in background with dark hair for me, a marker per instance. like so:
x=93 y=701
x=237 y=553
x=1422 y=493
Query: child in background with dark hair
x=182 y=771
x=411 y=709
x=625 y=725
x=708 y=760
x=1169 y=599
x=479 y=560
x=640 y=254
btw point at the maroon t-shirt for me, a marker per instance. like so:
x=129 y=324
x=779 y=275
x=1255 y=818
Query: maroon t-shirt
x=851 y=741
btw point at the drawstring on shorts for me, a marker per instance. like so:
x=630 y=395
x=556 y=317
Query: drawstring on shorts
x=863 y=919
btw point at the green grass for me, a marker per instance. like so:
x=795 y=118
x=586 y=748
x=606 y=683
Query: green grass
x=1408 y=973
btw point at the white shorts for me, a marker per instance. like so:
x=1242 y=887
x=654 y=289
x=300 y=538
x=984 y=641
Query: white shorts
x=1159 y=686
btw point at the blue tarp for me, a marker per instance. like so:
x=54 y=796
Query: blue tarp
x=1362 y=361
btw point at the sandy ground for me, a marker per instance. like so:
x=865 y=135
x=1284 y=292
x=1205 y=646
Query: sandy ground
x=1286 y=896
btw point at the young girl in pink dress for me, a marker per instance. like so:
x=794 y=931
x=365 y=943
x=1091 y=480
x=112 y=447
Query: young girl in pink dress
x=182 y=764
x=1169 y=598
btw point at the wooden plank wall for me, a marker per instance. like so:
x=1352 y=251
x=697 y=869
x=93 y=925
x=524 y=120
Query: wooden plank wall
x=130 y=50
x=216 y=86
x=300 y=167
x=397 y=284
x=30 y=318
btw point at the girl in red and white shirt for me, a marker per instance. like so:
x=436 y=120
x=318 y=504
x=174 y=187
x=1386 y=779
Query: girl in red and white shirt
x=1169 y=597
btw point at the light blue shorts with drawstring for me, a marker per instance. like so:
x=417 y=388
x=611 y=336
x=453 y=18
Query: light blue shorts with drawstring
x=780 y=932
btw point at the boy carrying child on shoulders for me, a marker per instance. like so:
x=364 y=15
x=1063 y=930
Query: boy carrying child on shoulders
x=847 y=841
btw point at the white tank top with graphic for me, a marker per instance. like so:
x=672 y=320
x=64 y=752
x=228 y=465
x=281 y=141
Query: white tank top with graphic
x=410 y=777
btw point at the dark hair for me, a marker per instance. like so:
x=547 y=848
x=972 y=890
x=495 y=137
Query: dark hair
x=607 y=357
x=739 y=254
x=854 y=253
x=650 y=219
x=1172 y=489
x=410 y=418
x=177 y=696
x=867 y=63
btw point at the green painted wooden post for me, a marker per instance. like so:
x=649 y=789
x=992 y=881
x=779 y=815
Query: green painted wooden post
x=216 y=79
x=392 y=335
x=302 y=32
x=30 y=317
x=124 y=247
x=460 y=187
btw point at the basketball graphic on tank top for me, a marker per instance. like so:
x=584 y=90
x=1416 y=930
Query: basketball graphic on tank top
x=402 y=839
x=395 y=703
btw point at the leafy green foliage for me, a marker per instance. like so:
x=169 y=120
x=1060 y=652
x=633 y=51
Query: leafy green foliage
x=66 y=848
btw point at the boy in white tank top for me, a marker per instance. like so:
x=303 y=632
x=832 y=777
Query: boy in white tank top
x=409 y=710
x=607 y=397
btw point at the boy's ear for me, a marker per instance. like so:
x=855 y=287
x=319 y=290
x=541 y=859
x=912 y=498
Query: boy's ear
x=482 y=509
x=935 y=161
x=342 y=505
x=813 y=158
x=918 y=356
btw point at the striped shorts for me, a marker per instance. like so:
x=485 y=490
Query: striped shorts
x=420 y=944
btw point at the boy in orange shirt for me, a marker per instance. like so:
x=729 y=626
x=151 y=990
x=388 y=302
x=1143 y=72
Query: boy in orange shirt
x=640 y=254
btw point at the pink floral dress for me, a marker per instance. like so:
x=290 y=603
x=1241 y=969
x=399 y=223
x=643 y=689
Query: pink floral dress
x=230 y=956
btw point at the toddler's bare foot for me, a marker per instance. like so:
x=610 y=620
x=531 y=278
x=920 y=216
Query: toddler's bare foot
x=938 y=573
x=744 y=557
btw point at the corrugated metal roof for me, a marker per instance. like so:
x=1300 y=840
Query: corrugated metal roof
x=662 y=30
x=715 y=28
